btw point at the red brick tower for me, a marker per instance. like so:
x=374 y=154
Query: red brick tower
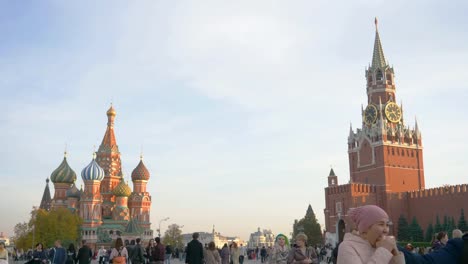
x=108 y=158
x=140 y=199
x=385 y=151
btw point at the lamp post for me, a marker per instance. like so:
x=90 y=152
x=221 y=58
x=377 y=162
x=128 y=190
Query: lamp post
x=34 y=226
x=159 y=229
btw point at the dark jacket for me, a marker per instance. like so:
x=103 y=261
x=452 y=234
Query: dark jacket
x=138 y=255
x=39 y=257
x=194 y=252
x=158 y=252
x=450 y=254
x=58 y=255
x=84 y=255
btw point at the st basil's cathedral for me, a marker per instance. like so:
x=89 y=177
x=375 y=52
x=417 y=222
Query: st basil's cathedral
x=108 y=206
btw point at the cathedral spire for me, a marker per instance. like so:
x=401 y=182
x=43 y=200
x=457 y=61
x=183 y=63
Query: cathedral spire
x=46 y=199
x=378 y=58
x=109 y=138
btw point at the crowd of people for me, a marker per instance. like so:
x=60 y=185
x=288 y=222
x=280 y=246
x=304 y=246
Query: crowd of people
x=369 y=242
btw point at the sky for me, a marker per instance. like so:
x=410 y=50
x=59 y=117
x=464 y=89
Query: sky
x=239 y=108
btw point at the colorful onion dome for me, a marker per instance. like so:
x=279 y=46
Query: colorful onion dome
x=122 y=189
x=111 y=111
x=73 y=192
x=92 y=172
x=140 y=172
x=63 y=174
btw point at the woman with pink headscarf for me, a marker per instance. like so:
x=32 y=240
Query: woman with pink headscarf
x=372 y=244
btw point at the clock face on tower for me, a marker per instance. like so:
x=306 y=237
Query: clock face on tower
x=370 y=114
x=393 y=112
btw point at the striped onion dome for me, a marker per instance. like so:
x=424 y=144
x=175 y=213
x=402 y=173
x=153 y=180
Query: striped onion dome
x=92 y=172
x=73 y=192
x=140 y=172
x=122 y=189
x=63 y=174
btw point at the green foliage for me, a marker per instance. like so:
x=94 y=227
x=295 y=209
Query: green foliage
x=403 y=229
x=173 y=236
x=309 y=226
x=429 y=233
x=462 y=222
x=415 y=231
x=438 y=227
x=46 y=227
x=445 y=225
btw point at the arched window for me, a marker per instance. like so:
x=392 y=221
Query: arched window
x=379 y=75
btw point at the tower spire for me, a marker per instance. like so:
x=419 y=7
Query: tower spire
x=378 y=58
x=46 y=198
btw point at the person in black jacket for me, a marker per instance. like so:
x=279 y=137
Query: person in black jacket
x=84 y=254
x=194 y=251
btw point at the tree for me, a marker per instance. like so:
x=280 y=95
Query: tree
x=46 y=227
x=429 y=233
x=403 y=229
x=445 y=225
x=310 y=227
x=173 y=236
x=438 y=227
x=416 y=233
x=451 y=226
x=462 y=222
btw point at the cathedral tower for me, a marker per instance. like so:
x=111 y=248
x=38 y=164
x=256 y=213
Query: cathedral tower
x=140 y=200
x=108 y=158
x=62 y=177
x=385 y=151
x=91 y=200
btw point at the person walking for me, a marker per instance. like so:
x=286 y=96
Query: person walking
x=39 y=255
x=3 y=253
x=235 y=253
x=102 y=254
x=194 y=252
x=71 y=254
x=84 y=254
x=225 y=254
x=302 y=254
x=138 y=254
x=372 y=245
x=119 y=254
x=242 y=255
x=212 y=254
x=167 y=259
x=279 y=254
x=148 y=250
x=158 y=252
x=58 y=254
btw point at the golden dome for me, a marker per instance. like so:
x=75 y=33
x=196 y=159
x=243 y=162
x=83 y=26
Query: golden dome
x=122 y=189
x=111 y=111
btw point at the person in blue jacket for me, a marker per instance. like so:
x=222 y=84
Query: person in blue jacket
x=455 y=252
x=58 y=255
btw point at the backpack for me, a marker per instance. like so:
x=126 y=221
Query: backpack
x=119 y=259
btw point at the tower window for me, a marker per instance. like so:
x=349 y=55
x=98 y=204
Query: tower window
x=379 y=75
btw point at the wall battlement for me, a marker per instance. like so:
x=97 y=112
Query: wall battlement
x=352 y=187
x=439 y=191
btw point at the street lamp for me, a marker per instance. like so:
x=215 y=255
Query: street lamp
x=34 y=226
x=159 y=229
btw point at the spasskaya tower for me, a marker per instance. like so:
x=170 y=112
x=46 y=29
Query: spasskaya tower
x=385 y=151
